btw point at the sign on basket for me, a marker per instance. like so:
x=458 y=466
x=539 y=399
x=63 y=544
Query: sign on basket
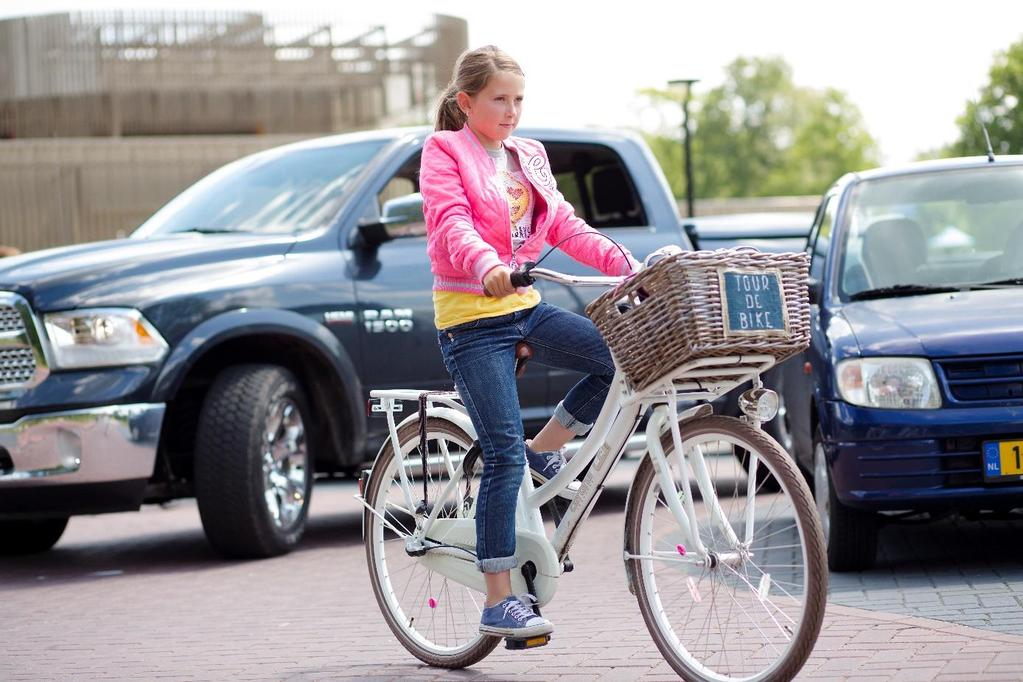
x=753 y=303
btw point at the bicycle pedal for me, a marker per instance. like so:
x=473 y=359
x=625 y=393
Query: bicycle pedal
x=526 y=642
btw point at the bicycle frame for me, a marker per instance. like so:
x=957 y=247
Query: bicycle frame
x=446 y=543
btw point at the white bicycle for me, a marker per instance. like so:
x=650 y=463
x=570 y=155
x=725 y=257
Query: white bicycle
x=730 y=573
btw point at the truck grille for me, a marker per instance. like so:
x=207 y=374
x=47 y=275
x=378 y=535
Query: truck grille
x=997 y=378
x=17 y=365
x=10 y=319
x=22 y=363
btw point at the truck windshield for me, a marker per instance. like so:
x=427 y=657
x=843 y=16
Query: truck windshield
x=933 y=231
x=268 y=193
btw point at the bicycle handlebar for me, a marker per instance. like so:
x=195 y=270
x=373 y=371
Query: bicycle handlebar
x=521 y=278
x=528 y=274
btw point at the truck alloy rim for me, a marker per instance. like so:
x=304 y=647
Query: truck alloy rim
x=284 y=463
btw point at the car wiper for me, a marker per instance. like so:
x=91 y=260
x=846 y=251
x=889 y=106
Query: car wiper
x=901 y=290
x=209 y=230
x=1010 y=282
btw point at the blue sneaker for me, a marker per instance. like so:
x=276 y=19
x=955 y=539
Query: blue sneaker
x=512 y=618
x=544 y=464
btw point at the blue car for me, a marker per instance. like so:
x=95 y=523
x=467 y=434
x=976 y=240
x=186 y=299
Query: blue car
x=909 y=400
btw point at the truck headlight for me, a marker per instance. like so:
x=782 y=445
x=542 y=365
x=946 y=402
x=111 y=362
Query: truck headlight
x=889 y=383
x=102 y=337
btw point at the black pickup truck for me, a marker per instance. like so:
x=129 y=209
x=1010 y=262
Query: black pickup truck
x=226 y=349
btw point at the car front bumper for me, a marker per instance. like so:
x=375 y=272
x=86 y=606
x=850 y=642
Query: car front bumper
x=918 y=459
x=78 y=461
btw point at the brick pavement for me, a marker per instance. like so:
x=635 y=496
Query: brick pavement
x=967 y=572
x=140 y=596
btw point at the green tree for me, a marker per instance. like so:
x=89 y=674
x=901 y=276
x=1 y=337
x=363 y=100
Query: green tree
x=758 y=134
x=997 y=107
x=742 y=127
x=829 y=139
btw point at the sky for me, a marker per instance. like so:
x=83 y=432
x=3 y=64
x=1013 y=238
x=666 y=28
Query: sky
x=909 y=65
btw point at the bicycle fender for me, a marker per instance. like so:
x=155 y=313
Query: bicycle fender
x=625 y=529
x=460 y=419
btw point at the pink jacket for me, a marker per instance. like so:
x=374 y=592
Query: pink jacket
x=467 y=217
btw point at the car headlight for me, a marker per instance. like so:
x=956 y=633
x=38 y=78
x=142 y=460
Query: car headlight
x=102 y=337
x=889 y=383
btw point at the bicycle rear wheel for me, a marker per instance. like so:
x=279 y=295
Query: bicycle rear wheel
x=753 y=609
x=433 y=617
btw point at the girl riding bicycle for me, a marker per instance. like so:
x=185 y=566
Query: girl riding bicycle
x=491 y=202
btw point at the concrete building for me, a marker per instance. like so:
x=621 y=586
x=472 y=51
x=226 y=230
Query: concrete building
x=136 y=106
x=138 y=73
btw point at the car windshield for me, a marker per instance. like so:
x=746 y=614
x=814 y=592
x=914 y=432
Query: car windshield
x=933 y=231
x=268 y=193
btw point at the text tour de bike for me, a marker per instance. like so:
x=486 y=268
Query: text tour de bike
x=727 y=562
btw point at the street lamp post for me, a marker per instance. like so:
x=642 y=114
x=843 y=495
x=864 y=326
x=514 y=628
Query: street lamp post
x=687 y=149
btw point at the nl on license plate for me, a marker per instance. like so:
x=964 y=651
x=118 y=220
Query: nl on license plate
x=753 y=302
x=1003 y=460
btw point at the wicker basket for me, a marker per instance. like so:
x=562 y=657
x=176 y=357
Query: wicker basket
x=671 y=312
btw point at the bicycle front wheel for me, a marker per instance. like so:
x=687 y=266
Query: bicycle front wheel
x=751 y=607
x=433 y=617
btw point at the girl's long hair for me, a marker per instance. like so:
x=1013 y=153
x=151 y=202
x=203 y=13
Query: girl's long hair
x=472 y=72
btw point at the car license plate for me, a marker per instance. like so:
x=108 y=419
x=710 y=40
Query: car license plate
x=1003 y=460
x=753 y=303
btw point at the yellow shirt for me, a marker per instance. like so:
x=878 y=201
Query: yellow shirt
x=457 y=307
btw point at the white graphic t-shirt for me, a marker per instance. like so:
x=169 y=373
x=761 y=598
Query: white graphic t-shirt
x=518 y=193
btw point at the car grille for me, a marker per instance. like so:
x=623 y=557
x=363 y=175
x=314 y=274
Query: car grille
x=17 y=366
x=997 y=378
x=10 y=319
x=961 y=462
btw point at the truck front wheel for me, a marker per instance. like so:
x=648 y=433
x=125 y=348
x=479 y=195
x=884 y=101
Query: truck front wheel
x=29 y=536
x=253 y=468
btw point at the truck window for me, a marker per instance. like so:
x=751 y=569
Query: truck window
x=273 y=192
x=396 y=187
x=593 y=178
x=400 y=197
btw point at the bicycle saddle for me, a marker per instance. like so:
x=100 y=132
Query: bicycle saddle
x=523 y=352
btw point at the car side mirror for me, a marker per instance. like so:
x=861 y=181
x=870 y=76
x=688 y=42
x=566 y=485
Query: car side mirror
x=815 y=289
x=399 y=217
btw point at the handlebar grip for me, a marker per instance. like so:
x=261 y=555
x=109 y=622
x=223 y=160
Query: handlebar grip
x=521 y=278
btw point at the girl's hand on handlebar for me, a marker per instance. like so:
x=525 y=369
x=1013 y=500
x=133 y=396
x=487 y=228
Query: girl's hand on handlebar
x=497 y=282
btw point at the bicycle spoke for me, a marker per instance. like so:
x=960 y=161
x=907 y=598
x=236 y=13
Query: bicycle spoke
x=434 y=616
x=739 y=616
x=754 y=590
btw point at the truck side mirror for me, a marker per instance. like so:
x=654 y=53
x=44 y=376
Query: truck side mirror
x=400 y=217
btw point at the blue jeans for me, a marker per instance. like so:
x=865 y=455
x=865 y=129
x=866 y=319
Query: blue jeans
x=480 y=356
